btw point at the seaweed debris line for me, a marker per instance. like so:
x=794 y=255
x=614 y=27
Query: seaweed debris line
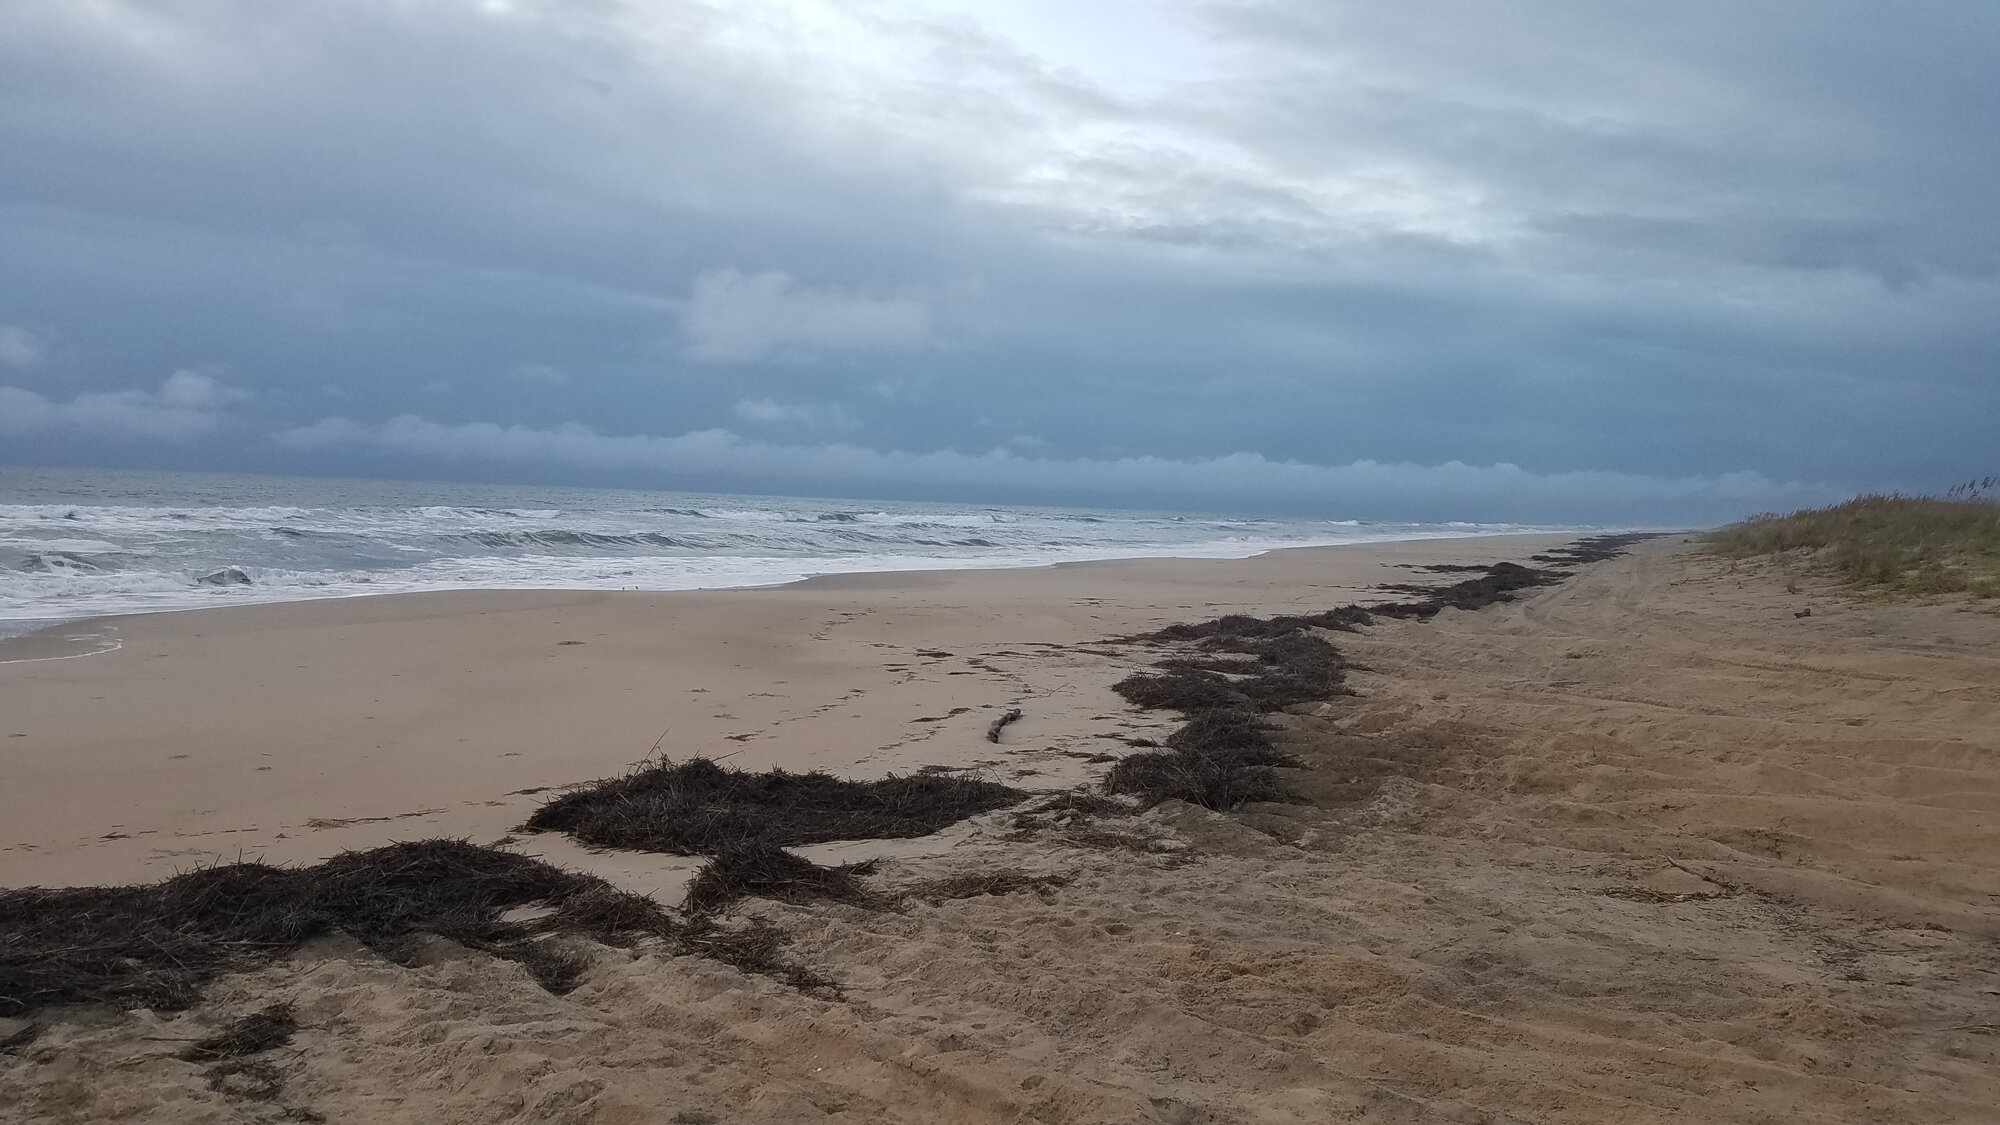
x=1230 y=671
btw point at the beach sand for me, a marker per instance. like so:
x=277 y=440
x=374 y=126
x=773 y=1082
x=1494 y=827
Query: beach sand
x=1642 y=847
x=294 y=731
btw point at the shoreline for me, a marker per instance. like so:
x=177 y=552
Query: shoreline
x=13 y=629
x=297 y=729
x=32 y=632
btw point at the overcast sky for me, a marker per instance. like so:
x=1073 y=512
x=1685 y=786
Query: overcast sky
x=1601 y=260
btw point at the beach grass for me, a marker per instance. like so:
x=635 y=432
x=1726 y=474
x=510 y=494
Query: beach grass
x=1894 y=546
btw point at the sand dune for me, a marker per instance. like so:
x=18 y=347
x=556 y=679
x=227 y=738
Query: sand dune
x=1641 y=847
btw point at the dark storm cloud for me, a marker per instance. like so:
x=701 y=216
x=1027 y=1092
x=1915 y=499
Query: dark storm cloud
x=1629 y=261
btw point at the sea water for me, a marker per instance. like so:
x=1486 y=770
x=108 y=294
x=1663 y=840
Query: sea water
x=78 y=543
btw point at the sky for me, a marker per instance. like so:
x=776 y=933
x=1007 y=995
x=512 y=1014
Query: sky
x=1601 y=261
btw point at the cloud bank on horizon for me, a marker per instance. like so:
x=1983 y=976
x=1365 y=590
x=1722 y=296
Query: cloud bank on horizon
x=1576 y=261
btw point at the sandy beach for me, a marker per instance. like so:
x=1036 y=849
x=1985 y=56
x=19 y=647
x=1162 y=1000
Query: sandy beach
x=1644 y=846
x=295 y=731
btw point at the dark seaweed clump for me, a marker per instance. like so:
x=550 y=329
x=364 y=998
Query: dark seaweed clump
x=743 y=821
x=765 y=870
x=159 y=945
x=1237 y=626
x=1244 y=669
x=1223 y=757
x=698 y=807
x=1596 y=548
x=1500 y=583
x=1219 y=759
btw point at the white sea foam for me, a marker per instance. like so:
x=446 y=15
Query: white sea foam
x=74 y=545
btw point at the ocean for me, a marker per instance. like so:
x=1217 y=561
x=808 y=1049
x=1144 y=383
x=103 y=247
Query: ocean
x=81 y=543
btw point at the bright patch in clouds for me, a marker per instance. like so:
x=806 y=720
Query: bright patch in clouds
x=814 y=415
x=736 y=317
x=18 y=347
x=186 y=406
x=1122 y=118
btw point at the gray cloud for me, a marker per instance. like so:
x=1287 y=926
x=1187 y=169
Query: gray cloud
x=1236 y=479
x=1616 y=244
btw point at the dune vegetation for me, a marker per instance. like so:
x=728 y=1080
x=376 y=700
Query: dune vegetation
x=1897 y=546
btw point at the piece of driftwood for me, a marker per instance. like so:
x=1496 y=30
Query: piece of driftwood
x=993 y=731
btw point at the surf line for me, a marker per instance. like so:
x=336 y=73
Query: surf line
x=113 y=646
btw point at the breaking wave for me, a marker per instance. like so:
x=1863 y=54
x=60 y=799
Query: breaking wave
x=76 y=544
